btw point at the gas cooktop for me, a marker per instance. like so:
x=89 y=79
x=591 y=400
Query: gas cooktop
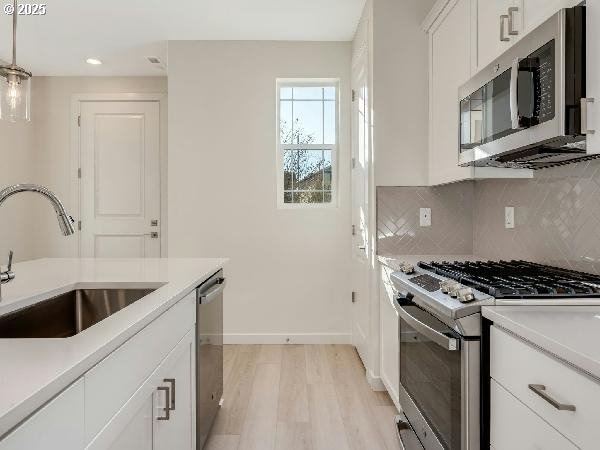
x=518 y=279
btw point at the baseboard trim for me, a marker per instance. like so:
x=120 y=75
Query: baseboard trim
x=376 y=383
x=280 y=338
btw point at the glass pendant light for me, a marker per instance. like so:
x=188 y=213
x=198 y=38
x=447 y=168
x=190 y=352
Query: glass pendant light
x=15 y=85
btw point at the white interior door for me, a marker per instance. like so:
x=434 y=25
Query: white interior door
x=360 y=206
x=120 y=179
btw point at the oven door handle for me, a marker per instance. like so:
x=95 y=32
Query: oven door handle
x=442 y=340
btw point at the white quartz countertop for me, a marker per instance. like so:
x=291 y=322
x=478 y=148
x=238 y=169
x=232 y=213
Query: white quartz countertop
x=571 y=333
x=32 y=371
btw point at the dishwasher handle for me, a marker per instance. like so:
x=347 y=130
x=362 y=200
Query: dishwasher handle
x=211 y=293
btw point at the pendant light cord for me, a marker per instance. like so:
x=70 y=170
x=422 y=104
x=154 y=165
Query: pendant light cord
x=14 y=49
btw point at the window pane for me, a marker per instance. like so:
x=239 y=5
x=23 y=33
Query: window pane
x=285 y=122
x=329 y=131
x=287 y=197
x=285 y=93
x=329 y=92
x=327 y=197
x=290 y=169
x=308 y=197
x=308 y=123
x=308 y=93
x=327 y=170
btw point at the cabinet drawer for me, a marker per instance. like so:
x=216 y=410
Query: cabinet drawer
x=115 y=379
x=514 y=426
x=516 y=364
x=58 y=425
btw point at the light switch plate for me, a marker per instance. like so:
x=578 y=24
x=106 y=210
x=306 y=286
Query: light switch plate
x=425 y=217
x=509 y=217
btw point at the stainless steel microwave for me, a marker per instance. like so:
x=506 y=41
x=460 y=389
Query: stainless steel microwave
x=528 y=108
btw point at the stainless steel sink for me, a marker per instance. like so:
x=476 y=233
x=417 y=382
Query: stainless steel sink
x=67 y=314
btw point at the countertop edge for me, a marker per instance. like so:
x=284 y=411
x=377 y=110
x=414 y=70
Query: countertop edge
x=564 y=353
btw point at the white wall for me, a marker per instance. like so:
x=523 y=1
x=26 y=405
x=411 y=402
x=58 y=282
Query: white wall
x=400 y=92
x=16 y=166
x=289 y=269
x=52 y=145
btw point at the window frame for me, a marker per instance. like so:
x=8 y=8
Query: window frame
x=281 y=148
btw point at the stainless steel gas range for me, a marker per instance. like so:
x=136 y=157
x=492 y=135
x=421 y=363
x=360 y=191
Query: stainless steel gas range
x=440 y=331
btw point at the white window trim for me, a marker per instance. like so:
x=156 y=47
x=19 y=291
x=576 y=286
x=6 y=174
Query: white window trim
x=308 y=82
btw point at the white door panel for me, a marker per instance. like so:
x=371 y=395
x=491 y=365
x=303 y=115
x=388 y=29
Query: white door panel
x=360 y=207
x=120 y=179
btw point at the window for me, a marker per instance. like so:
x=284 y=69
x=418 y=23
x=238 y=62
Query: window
x=307 y=142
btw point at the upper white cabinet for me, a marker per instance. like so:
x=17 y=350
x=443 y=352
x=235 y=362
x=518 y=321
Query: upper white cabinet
x=496 y=28
x=449 y=67
x=501 y=23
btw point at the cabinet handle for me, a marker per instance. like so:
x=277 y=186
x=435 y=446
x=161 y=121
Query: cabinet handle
x=167 y=408
x=503 y=18
x=540 y=390
x=584 y=115
x=172 y=381
x=511 y=21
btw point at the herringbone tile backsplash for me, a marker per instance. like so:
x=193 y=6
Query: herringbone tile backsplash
x=451 y=230
x=557 y=215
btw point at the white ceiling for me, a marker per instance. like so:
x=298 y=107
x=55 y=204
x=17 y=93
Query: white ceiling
x=122 y=33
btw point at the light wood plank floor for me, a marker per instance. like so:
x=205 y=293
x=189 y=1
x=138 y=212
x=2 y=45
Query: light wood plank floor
x=297 y=397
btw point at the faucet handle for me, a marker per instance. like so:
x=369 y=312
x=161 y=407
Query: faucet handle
x=10 y=257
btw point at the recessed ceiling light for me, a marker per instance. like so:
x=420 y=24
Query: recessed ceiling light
x=93 y=61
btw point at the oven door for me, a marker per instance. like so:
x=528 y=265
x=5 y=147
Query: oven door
x=431 y=377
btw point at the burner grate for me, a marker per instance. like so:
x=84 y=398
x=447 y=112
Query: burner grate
x=518 y=279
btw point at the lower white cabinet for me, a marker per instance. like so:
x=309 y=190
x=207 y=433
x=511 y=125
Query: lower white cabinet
x=160 y=415
x=552 y=397
x=390 y=373
x=58 y=425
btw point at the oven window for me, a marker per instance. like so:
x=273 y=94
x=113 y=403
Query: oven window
x=471 y=120
x=431 y=375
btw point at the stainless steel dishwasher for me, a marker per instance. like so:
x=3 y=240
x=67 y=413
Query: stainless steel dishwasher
x=209 y=354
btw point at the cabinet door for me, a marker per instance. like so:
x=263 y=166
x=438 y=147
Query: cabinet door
x=532 y=13
x=491 y=27
x=450 y=62
x=177 y=374
x=390 y=373
x=58 y=425
x=137 y=434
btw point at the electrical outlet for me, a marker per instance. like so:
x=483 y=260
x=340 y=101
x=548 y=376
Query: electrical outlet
x=425 y=217
x=509 y=217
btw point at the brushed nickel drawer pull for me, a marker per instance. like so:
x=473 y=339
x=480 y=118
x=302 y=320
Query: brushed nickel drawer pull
x=172 y=381
x=167 y=408
x=540 y=390
x=503 y=18
x=511 y=20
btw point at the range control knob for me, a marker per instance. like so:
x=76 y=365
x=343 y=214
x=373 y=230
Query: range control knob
x=465 y=295
x=407 y=268
x=450 y=286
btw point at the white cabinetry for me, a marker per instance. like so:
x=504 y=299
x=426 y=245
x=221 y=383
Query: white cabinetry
x=147 y=421
x=501 y=23
x=390 y=364
x=543 y=404
x=449 y=68
x=58 y=425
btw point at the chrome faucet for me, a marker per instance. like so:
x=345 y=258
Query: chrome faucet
x=65 y=221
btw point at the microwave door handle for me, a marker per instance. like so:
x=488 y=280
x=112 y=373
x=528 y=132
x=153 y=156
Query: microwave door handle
x=514 y=99
x=441 y=339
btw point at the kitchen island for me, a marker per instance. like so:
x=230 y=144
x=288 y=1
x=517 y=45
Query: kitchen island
x=37 y=371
